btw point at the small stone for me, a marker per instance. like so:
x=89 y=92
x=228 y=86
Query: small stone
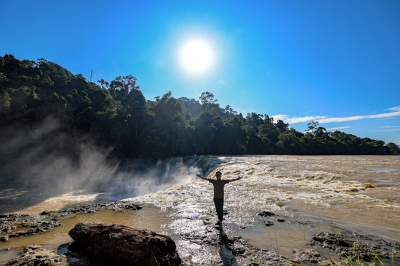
x=266 y=213
x=269 y=223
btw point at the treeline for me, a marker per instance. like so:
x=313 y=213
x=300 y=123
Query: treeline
x=116 y=114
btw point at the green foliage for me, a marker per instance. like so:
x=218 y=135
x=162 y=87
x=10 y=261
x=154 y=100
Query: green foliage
x=394 y=149
x=116 y=114
x=5 y=102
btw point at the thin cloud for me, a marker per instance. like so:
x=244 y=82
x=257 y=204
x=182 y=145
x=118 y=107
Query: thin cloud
x=384 y=130
x=294 y=120
x=358 y=117
x=395 y=111
x=222 y=81
x=336 y=128
x=390 y=127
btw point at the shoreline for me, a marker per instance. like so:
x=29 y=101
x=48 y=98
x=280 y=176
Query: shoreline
x=199 y=233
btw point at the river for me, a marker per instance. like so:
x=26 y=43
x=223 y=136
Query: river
x=308 y=194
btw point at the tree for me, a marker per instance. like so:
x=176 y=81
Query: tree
x=121 y=86
x=207 y=98
x=165 y=135
x=5 y=102
x=116 y=114
x=289 y=143
x=254 y=120
x=312 y=126
x=394 y=149
x=282 y=126
x=204 y=133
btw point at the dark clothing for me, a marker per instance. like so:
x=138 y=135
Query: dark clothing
x=219 y=206
x=218 y=187
x=219 y=196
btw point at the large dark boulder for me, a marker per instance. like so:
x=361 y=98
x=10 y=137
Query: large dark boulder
x=124 y=245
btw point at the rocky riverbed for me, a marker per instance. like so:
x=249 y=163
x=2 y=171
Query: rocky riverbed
x=304 y=210
x=200 y=243
x=17 y=225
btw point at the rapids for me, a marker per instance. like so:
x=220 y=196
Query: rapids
x=309 y=194
x=312 y=193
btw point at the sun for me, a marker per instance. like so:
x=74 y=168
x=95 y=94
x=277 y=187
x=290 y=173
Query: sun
x=196 y=56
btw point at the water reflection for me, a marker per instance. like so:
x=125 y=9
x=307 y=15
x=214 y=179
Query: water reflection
x=147 y=218
x=311 y=193
x=330 y=193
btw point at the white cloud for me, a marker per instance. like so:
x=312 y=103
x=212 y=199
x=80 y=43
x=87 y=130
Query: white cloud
x=395 y=111
x=294 y=120
x=341 y=119
x=392 y=129
x=222 y=81
x=336 y=128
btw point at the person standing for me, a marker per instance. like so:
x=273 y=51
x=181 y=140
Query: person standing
x=219 y=194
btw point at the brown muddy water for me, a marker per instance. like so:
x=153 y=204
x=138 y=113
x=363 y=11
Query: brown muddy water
x=147 y=218
x=310 y=193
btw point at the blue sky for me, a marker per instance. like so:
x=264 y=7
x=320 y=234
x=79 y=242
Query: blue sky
x=334 y=61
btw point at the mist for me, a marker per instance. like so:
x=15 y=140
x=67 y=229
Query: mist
x=44 y=163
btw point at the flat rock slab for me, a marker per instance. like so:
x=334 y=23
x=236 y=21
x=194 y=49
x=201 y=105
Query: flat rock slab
x=124 y=245
x=38 y=256
x=17 y=225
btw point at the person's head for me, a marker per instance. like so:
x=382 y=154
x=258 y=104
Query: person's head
x=218 y=174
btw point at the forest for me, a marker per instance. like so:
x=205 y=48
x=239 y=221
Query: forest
x=115 y=114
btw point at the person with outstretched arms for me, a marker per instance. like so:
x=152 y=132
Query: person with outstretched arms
x=219 y=194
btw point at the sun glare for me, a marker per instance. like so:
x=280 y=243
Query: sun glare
x=196 y=56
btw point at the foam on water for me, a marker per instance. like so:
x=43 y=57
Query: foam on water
x=341 y=191
x=312 y=194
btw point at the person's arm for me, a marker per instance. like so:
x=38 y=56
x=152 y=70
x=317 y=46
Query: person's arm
x=231 y=180
x=198 y=175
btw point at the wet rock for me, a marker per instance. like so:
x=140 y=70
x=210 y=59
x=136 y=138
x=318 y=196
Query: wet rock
x=355 y=246
x=266 y=213
x=262 y=257
x=310 y=256
x=15 y=225
x=307 y=255
x=92 y=208
x=45 y=213
x=119 y=243
x=369 y=185
x=232 y=250
x=269 y=223
x=37 y=255
x=33 y=224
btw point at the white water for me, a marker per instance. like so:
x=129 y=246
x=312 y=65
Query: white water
x=312 y=194
x=327 y=193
